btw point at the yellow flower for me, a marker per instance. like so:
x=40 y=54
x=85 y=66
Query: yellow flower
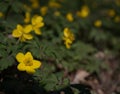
x=98 y=23
x=69 y=17
x=22 y=33
x=117 y=19
x=27 y=63
x=57 y=13
x=68 y=43
x=27 y=17
x=1 y=14
x=68 y=37
x=43 y=10
x=37 y=23
x=54 y=4
x=35 y=4
x=84 y=12
x=111 y=12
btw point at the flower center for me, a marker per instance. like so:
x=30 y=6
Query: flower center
x=28 y=62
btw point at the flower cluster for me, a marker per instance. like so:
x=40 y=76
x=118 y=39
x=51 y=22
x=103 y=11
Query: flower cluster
x=27 y=63
x=68 y=37
x=23 y=32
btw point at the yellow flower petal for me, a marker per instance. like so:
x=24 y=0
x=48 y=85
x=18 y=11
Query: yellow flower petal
x=20 y=57
x=27 y=17
x=36 y=20
x=28 y=36
x=67 y=45
x=44 y=10
x=22 y=39
x=29 y=56
x=41 y=24
x=16 y=33
x=68 y=41
x=21 y=67
x=37 y=31
x=98 y=23
x=57 y=13
x=19 y=27
x=66 y=32
x=69 y=17
x=1 y=14
x=36 y=64
x=30 y=70
x=27 y=28
x=54 y=4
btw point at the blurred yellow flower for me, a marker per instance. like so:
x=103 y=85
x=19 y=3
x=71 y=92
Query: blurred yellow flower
x=117 y=2
x=37 y=23
x=35 y=4
x=68 y=37
x=1 y=14
x=54 y=4
x=69 y=17
x=111 y=13
x=57 y=13
x=27 y=17
x=22 y=33
x=117 y=19
x=98 y=23
x=27 y=63
x=43 y=10
x=84 y=12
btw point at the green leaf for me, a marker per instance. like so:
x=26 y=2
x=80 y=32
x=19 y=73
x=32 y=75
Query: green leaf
x=3 y=6
x=17 y=6
x=6 y=62
x=82 y=50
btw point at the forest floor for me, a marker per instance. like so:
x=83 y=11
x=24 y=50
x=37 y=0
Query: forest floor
x=107 y=81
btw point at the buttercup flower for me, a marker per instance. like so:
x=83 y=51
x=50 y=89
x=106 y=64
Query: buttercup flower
x=54 y=4
x=37 y=23
x=57 y=13
x=68 y=37
x=98 y=23
x=27 y=17
x=1 y=14
x=27 y=63
x=84 y=12
x=43 y=10
x=117 y=19
x=69 y=17
x=111 y=13
x=35 y=4
x=22 y=33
